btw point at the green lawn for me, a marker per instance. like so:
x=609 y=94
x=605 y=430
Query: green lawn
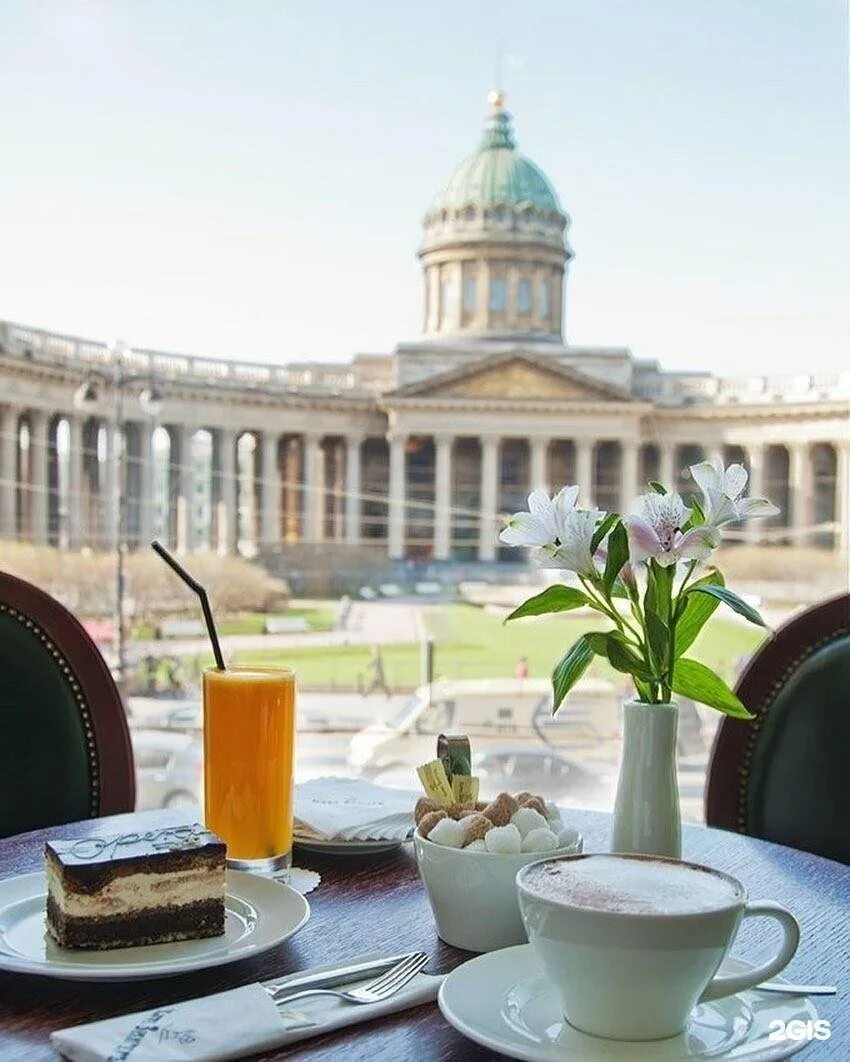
x=318 y=617
x=471 y=643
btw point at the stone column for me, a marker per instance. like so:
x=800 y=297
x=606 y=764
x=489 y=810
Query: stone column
x=842 y=495
x=226 y=505
x=667 y=464
x=146 y=484
x=353 y=488
x=185 y=491
x=310 y=507
x=270 y=513
x=489 y=497
x=629 y=473
x=799 y=492
x=78 y=531
x=8 y=471
x=584 y=471
x=540 y=464
x=109 y=497
x=756 y=458
x=443 y=496
x=39 y=425
x=398 y=491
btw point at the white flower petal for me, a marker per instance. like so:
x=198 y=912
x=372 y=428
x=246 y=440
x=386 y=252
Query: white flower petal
x=666 y=559
x=525 y=529
x=643 y=541
x=751 y=508
x=734 y=480
x=539 y=503
x=706 y=476
x=698 y=543
x=720 y=510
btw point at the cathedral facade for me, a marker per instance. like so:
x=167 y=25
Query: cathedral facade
x=417 y=454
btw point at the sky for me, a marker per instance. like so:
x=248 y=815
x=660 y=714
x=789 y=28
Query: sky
x=248 y=179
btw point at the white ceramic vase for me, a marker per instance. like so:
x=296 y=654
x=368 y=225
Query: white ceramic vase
x=646 y=810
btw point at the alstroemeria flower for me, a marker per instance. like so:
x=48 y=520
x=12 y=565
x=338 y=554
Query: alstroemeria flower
x=655 y=531
x=542 y=525
x=722 y=489
x=572 y=550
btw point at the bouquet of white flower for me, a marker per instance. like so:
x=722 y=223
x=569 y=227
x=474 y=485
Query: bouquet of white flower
x=648 y=573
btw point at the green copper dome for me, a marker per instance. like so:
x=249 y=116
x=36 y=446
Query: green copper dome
x=497 y=173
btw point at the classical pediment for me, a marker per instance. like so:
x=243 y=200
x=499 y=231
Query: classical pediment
x=515 y=376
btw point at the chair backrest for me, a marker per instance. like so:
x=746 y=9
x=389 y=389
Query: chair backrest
x=785 y=776
x=65 y=750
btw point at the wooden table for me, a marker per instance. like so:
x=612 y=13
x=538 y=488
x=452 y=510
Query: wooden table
x=379 y=904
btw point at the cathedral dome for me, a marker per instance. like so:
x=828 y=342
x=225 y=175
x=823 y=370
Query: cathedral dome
x=494 y=244
x=497 y=173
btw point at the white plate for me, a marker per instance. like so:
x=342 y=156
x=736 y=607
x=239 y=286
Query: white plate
x=350 y=847
x=502 y=1001
x=259 y=914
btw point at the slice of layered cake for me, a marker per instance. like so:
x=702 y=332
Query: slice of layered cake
x=136 y=888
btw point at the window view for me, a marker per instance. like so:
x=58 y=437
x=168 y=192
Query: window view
x=458 y=414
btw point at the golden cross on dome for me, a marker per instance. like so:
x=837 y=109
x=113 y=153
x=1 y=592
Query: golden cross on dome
x=496 y=99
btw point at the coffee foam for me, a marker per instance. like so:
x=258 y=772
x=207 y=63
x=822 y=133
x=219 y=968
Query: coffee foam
x=630 y=886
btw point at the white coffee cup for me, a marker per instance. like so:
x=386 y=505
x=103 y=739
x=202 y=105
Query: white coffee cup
x=632 y=946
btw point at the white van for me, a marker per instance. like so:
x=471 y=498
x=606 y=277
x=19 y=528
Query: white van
x=485 y=709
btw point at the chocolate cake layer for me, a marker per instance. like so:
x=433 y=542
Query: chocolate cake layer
x=89 y=864
x=151 y=926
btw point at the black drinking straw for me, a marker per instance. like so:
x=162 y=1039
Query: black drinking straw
x=190 y=581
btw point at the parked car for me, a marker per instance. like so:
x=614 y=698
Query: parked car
x=169 y=768
x=537 y=770
x=484 y=709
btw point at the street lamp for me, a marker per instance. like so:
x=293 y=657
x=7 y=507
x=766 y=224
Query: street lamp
x=87 y=399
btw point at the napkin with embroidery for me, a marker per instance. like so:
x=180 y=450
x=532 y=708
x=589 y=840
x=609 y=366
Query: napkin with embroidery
x=352 y=809
x=243 y=1021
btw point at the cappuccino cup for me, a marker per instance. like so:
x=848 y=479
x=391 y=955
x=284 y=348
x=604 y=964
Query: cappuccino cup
x=633 y=943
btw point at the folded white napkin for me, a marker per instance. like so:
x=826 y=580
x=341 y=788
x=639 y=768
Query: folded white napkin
x=230 y=1024
x=352 y=809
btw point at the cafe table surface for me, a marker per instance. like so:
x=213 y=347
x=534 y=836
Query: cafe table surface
x=378 y=904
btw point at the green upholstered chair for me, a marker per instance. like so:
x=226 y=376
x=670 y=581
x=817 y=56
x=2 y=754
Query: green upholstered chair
x=65 y=750
x=785 y=776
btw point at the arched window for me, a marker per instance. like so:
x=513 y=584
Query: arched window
x=523 y=298
x=498 y=294
x=544 y=296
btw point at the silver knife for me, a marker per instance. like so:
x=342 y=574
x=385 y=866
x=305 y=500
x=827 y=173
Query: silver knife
x=340 y=975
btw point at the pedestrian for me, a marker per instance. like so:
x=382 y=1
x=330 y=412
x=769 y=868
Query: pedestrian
x=521 y=669
x=378 y=680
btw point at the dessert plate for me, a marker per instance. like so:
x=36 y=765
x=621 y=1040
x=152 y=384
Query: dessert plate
x=259 y=914
x=502 y=1001
x=350 y=847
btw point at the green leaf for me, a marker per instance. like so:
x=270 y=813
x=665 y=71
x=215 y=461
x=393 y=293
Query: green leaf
x=659 y=638
x=618 y=554
x=569 y=670
x=659 y=587
x=659 y=488
x=697 y=514
x=698 y=609
x=724 y=594
x=695 y=680
x=598 y=642
x=602 y=531
x=623 y=658
x=555 y=598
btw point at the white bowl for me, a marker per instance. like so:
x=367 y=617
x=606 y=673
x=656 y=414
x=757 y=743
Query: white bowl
x=473 y=894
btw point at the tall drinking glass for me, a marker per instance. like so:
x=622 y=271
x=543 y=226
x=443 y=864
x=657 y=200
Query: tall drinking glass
x=249 y=752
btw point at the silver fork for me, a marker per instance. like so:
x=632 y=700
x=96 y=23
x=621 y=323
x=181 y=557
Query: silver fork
x=381 y=988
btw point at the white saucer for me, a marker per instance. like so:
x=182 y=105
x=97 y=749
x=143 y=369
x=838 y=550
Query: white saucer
x=501 y=1000
x=259 y=913
x=349 y=847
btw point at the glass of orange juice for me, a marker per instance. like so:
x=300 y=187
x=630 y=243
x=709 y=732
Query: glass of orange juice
x=249 y=753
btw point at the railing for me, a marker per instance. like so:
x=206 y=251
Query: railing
x=376 y=375
x=38 y=345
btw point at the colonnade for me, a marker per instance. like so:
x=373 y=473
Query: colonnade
x=439 y=496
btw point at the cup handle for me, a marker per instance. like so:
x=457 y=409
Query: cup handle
x=730 y=984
